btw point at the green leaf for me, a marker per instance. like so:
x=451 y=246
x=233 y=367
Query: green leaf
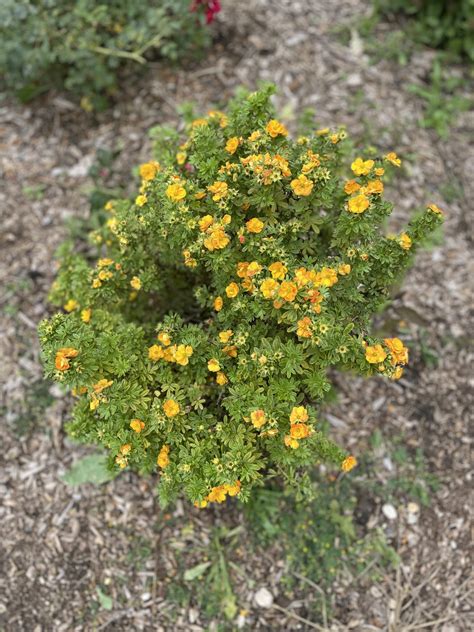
x=196 y=571
x=105 y=601
x=89 y=469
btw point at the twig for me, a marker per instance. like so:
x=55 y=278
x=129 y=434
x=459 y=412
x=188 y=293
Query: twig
x=315 y=626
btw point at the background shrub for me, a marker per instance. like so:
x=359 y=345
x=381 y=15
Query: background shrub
x=445 y=24
x=199 y=342
x=81 y=45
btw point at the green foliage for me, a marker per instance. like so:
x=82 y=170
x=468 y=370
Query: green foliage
x=320 y=535
x=82 y=45
x=442 y=104
x=201 y=339
x=444 y=24
x=90 y=469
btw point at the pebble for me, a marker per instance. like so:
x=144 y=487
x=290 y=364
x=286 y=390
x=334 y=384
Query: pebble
x=389 y=511
x=263 y=598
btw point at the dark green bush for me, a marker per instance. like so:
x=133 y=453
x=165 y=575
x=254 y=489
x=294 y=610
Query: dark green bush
x=444 y=24
x=81 y=45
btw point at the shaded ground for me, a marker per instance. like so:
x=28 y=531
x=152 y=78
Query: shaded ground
x=58 y=545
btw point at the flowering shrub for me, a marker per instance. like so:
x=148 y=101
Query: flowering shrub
x=82 y=44
x=198 y=344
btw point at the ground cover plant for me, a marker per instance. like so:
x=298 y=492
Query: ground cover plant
x=199 y=340
x=82 y=45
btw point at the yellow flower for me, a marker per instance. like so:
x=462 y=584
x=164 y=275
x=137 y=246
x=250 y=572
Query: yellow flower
x=258 y=418
x=255 y=225
x=275 y=128
x=362 y=167
x=358 y=204
x=217 y=494
x=137 y=425
x=375 y=354
x=278 y=270
x=234 y=489
x=101 y=385
x=183 y=353
x=136 y=283
x=213 y=365
x=71 y=305
x=176 y=192
x=200 y=195
x=351 y=186
x=348 y=464
x=298 y=414
x=221 y=378
x=86 y=315
x=171 y=408
x=218 y=303
x=141 y=200
x=164 y=338
x=149 y=170
x=405 y=241
x=269 y=288
x=434 y=209
x=288 y=291
x=232 y=144
x=290 y=442
x=301 y=185
x=103 y=263
x=232 y=290
x=163 y=459
x=379 y=171
x=205 y=222
x=253 y=268
x=200 y=122
x=104 y=275
x=226 y=335
x=181 y=157
x=155 y=352
x=393 y=158
x=344 y=269
x=96 y=283
x=254 y=136
x=219 y=190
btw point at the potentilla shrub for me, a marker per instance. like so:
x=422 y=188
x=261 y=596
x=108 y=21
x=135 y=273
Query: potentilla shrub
x=198 y=344
x=81 y=45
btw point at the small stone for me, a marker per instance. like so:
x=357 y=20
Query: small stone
x=146 y=596
x=389 y=511
x=263 y=598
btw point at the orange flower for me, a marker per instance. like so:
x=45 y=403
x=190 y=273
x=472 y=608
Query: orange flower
x=101 y=385
x=219 y=189
x=405 y=241
x=171 y=408
x=299 y=431
x=348 y=464
x=137 y=425
x=254 y=225
x=304 y=327
x=163 y=459
x=63 y=355
x=288 y=291
x=351 y=186
x=278 y=270
x=218 y=303
x=398 y=351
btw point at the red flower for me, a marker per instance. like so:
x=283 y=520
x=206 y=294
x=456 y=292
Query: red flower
x=212 y=8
